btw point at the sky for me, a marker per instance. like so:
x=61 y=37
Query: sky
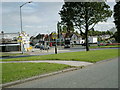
x=38 y=17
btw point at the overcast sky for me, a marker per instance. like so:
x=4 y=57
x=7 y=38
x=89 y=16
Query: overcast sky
x=38 y=17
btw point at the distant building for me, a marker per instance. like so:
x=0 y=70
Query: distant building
x=8 y=37
x=14 y=41
x=8 y=42
x=92 y=39
x=103 y=37
x=75 y=39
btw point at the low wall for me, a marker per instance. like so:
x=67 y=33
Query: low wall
x=8 y=48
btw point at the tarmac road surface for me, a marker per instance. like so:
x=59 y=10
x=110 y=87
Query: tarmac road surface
x=99 y=75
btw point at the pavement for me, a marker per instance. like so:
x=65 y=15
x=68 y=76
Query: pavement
x=71 y=63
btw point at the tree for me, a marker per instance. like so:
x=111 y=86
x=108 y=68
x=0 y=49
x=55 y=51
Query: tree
x=39 y=36
x=85 y=15
x=109 y=33
x=67 y=17
x=117 y=20
x=98 y=33
x=64 y=29
x=116 y=36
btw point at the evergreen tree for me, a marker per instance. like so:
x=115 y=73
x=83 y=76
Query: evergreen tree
x=117 y=20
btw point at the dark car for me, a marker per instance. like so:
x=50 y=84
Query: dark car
x=37 y=45
x=67 y=46
x=84 y=44
x=42 y=47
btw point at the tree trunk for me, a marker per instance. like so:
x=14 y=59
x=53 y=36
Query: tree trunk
x=86 y=31
x=86 y=40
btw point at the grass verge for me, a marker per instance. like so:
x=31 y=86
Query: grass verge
x=109 y=46
x=0 y=72
x=7 y=54
x=90 y=56
x=17 y=71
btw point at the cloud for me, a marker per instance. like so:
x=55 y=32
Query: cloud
x=0 y=16
x=32 y=19
x=110 y=0
x=37 y=16
x=28 y=26
x=104 y=26
x=105 y=23
x=111 y=3
x=34 y=0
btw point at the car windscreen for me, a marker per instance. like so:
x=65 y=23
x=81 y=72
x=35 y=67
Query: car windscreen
x=67 y=41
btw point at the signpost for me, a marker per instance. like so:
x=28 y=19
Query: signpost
x=20 y=39
x=54 y=36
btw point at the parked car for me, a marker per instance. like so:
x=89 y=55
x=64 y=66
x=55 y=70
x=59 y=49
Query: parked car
x=42 y=47
x=84 y=44
x=67 y=46
x=37 y=45
x=67 y=43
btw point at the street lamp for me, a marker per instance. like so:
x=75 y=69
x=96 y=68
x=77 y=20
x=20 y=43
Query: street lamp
x=21 y=14
x=21 y=44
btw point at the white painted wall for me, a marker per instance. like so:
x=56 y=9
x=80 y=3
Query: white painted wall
x=92 y=39
x=25 y=41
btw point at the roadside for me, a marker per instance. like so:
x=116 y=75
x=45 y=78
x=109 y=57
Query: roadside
x=73 y=79
x=90 y=56
x=36 y=77
x=25 y=69
x=60 y=49
x=75 y=57
x=33 y=52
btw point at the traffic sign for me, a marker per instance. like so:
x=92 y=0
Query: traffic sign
x=19 y=39
x=54 y=35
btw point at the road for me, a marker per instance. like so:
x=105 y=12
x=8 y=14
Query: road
x=99 y=75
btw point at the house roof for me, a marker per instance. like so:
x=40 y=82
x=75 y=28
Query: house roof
x=69 y=35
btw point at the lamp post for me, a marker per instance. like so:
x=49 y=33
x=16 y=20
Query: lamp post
x=21 y=13
x=21 y=44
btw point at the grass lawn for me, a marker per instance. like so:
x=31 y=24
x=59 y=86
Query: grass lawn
x=7 y=54
x=17 y=71
x=109 y=46
x=90 y=56
x=0 y=72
